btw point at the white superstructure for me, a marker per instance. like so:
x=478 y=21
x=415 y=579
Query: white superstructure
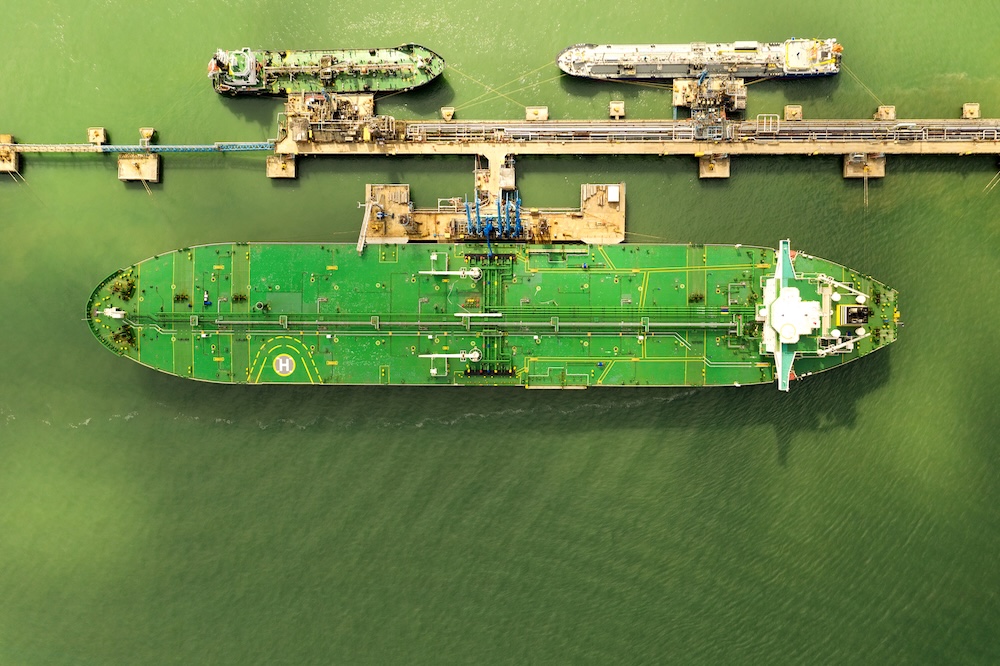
x=791 y=58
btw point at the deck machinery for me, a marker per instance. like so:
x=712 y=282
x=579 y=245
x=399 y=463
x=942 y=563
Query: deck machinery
x=540 y=316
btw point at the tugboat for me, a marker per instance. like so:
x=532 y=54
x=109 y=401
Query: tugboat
x=260 y=72
x=793 y=58
x=506 y=313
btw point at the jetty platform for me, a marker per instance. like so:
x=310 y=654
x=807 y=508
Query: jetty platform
x=310 y=130
x=863 y=144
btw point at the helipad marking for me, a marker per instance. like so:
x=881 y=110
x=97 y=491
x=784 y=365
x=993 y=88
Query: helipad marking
x=284 y=364
x=294 y=346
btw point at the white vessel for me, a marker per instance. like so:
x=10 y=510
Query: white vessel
x=789 y=59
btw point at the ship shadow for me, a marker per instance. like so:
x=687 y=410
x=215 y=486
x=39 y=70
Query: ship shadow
x=807 y=89
x=261 y=111
x=578 y=87
x=827 y=402
x=589 y=88
x=425 y=100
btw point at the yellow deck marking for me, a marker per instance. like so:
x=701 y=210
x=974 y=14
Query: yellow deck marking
x=302 y=352
x=600 y=380
x=138 y=308
x=645 y=285
x=705 y=286
x=604 y=253
x=676 y=269
x=704 y=351
x=592 y=359
x=193 y=277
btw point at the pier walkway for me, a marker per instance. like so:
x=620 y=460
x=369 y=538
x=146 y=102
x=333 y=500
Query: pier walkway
x=218 y=147
x=865 y=142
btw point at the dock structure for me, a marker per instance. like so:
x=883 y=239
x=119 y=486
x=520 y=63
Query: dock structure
x=136 y=162
x=10 y=160
x=218 y=147
x=97 y=142
x=347 y=125
x=767 y=134
x=390 y=218
x=144 y=167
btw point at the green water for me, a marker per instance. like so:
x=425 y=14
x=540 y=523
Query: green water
x=149 y=520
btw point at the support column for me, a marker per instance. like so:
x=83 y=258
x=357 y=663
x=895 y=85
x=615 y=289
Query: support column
x=9 y=158
x=864 y=165
x=713 y=166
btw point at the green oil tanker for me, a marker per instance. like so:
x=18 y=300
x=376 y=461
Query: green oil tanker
x=260 y=72
x=539 y=316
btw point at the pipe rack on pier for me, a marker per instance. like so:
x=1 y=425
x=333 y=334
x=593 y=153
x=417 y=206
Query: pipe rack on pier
x=218 y=147
x=766 y=135
x=863 y=143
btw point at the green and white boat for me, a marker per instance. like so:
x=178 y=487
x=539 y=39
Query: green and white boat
x=260 y=72
x=539 y=316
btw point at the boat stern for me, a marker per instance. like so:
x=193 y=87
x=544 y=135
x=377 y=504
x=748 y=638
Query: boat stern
x=812 y=57
x=233 y=72
x=816 y=314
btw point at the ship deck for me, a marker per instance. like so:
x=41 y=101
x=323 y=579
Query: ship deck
x=450 y=314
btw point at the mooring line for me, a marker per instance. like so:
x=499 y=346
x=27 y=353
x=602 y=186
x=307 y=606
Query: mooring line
x=994 y=181
x=489 y=99
x=856 y=78
x=476 y=99
x=461 y=73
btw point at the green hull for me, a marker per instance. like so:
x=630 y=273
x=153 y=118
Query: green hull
x=565 y=316
x=260 y=72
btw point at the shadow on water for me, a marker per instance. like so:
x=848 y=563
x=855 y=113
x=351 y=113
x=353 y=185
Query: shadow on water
x=591 y=88
x=106 y=161
x=793 y=90
x=626 y=165
x=830 y=400
x=972 y=165
x=145 y=186
x=417 y=171
x=801 y=90
x=424 y=101
x=260 y=110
